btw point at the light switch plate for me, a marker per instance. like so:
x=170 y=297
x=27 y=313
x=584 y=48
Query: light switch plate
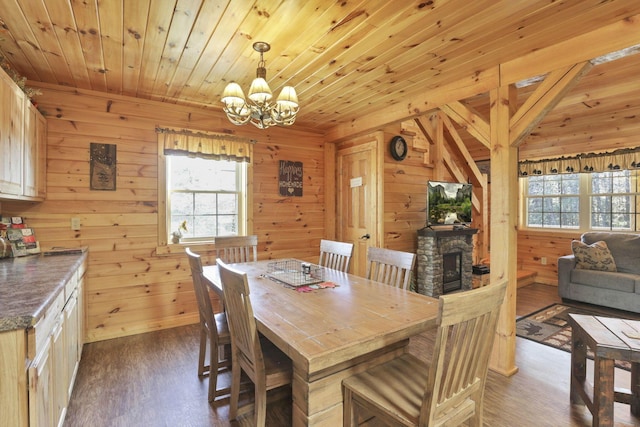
x=75 y=223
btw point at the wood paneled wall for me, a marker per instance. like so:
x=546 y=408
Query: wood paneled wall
x=129 y=288
x=534 y=245
x=405 y=195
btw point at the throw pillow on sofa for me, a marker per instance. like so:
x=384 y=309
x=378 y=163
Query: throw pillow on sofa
x=593 y=257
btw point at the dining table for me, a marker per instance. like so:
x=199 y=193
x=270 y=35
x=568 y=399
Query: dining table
x=340 y=326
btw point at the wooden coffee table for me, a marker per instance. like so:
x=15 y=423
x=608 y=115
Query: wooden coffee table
x=610 y=339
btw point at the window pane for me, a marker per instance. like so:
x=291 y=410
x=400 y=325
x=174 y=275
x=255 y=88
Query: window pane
x=571 y=184
x=205 y=193
x=205 y=203
x=551 y=219
x=570 y=220
x=227 y=225
x=536 y=185
x=552 y=185
x=551 y=204
x=227 y=204
x=600 y=220
x=205 y=225
x=570 y=204
x=534 y=220
x=535 y=205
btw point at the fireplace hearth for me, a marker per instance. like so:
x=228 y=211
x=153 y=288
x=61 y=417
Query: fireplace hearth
x=445 y=261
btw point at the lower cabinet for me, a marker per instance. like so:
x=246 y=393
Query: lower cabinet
x=52 y=372
x=41 y=388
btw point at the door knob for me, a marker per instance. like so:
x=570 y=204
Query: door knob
x=366 y=236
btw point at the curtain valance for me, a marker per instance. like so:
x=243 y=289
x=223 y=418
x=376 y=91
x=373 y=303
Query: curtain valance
x=207 y=145
x=627 y=158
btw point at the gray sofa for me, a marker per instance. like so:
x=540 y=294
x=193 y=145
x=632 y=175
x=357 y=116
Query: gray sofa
x=619 y=289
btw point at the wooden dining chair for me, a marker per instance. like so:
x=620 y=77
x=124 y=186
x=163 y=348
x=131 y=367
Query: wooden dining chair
x=406 y=391
x=266 y=366
x=232 y=249
x=335 y=255
x=391 y=267
x=213 y=330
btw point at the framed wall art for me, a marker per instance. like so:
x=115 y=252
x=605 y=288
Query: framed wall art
x=103 y=166
x=290 y=178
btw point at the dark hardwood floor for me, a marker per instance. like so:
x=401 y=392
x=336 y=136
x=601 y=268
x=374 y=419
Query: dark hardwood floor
x=151 y=380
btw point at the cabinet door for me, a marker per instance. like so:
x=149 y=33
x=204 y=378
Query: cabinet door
x=30 y=151
x=59 y=375
x=41 y=388
x=71 y=338
x=11 y=127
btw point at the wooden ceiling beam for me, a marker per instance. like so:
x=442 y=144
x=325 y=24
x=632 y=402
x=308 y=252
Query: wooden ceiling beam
x=470 y=120
x=544 y=99
x=480 y=82
x=601 y=41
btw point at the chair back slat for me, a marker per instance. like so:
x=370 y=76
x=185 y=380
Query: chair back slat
x=464 y=340
x=389 y=266
x=335 y=255
x=244 y=333
x=232 y=249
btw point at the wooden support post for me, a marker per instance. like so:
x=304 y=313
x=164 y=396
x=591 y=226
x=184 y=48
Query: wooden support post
x=504 y=209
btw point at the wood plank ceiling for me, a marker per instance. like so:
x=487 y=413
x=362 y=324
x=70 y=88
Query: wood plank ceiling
x=345 y=58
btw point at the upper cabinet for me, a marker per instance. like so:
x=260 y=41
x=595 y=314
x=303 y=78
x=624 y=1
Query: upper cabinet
x=23 y=145
x=35 y=153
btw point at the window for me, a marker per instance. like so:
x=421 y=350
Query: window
x=586 y=201
x=208 y=194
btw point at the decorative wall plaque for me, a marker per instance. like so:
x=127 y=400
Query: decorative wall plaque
x=103 y=166
x=290 y=178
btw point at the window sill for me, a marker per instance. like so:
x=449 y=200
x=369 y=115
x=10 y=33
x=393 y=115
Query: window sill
x=178 y=248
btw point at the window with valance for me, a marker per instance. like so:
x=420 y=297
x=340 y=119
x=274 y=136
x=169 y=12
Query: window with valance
x=595 y=191
x=203 y=186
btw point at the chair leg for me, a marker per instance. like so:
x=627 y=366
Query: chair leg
x=260 y=406
x=213 y=368
x=203 y=349
x=236 y=370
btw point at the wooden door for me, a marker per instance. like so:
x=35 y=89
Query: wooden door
x=359 y=198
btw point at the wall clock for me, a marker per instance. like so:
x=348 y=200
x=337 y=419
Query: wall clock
x=398 y=147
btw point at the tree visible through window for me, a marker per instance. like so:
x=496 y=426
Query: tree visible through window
x=553 y=201
x=207 y=194
x=586 y=201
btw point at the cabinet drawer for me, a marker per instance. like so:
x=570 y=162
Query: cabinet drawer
x=38 y=335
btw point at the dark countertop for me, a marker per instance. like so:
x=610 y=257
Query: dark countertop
x=28 y=285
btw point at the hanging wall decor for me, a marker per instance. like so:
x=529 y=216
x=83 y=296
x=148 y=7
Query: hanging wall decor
x=290 y=178
x=103 y=167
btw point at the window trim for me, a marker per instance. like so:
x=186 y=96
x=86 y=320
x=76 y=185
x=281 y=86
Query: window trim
x=164 y=247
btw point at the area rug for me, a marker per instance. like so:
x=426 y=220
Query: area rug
x=549 y=326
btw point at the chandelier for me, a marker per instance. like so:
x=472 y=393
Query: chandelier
x=259 y=110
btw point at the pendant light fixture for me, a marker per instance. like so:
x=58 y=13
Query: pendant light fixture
x=259 y=110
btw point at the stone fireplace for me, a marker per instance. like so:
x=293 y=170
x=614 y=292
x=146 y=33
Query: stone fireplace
x=445 y=260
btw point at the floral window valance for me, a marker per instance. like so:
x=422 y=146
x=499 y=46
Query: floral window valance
x=628 y=158
x=207 y=145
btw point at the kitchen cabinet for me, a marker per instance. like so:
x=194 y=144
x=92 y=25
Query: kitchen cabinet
x=35 y=153
x=38 y=365
x=11 y=137
x=23 y=145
